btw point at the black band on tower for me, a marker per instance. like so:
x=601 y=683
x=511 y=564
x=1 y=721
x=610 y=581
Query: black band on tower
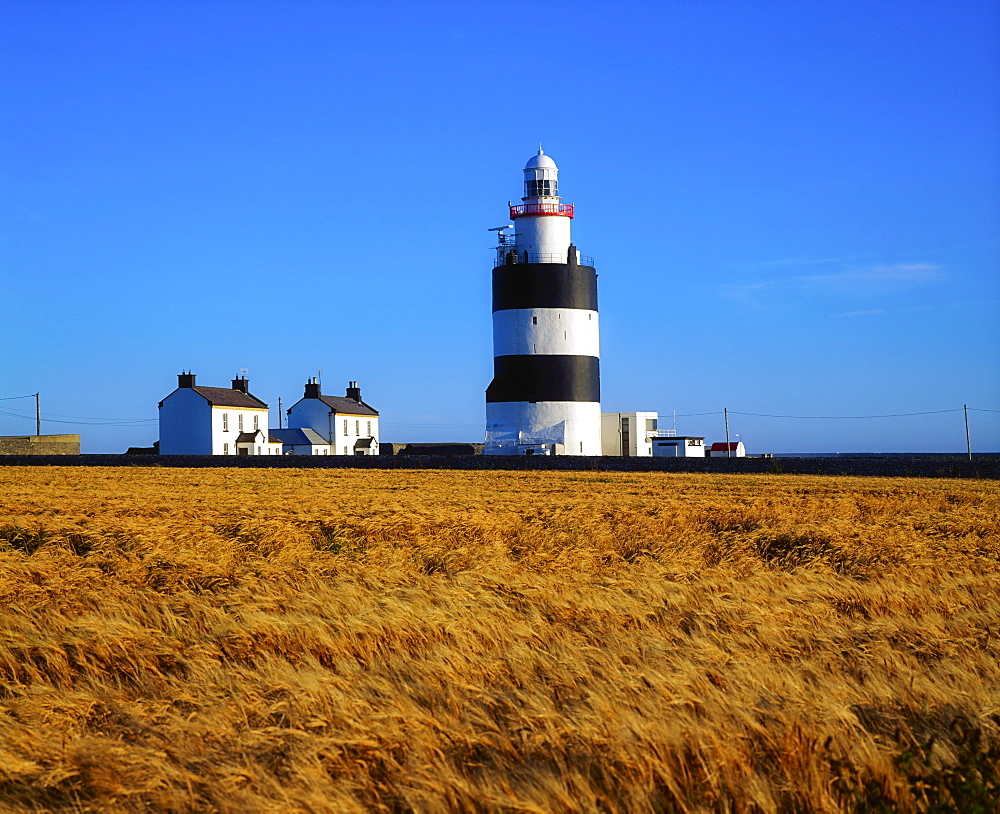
x=545 y=285
x=545 y=378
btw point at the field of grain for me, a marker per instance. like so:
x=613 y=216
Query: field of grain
x=324 y=641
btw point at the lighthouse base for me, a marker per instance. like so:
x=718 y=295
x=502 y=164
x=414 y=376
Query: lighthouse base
x=545 y=428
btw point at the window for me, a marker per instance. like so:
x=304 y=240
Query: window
x=625 y=437
x=581 y=446
x=225 y=447
x=240 y=421
x=258 y=450
x=225 y=423
x=540 y=187
x=650 y=424
x=357 y=427
x=345 y=450
x=534 y=320
x=369 y=428
x=345 y=426
x=256 y=426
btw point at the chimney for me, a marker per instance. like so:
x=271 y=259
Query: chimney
x=312 y=389
x=185 y=379
x=240 y=383
x=353 y=391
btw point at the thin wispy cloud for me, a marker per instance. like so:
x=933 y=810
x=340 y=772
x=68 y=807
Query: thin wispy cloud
x=854 y=281
x=794 y=262
x=872 y=312
x=877 y=278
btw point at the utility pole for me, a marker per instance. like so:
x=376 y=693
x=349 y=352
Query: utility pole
x=38 y=414
x=729 y=449
x=968 y=443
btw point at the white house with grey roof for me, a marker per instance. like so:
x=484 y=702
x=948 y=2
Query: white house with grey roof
x=196 y=420
x=345 y=422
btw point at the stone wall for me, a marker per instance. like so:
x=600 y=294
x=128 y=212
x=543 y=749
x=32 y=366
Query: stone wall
x=914 y=466
x=39 y=444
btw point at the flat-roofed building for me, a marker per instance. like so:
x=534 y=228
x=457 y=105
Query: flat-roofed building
x=679 y=446
x=628 y=434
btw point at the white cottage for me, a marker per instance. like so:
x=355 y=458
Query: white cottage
x=198 y=420
x=347 y=424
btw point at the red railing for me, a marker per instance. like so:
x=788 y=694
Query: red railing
x=519 y=211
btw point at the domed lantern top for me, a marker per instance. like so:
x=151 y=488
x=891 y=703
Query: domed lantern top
x=541 y=177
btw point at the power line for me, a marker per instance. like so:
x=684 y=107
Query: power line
x=830 y=417
x=110 y=422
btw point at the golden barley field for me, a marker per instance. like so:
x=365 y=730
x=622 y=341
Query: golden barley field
x=222 y=640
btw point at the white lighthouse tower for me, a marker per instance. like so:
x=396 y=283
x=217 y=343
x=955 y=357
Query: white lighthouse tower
x=546 y=390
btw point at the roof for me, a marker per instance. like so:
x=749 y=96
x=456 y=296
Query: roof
x=249 y=437
x=225 y=397
x=298 y=436
x=342 y=404
x=540 y=161
x=364 y=443
x=722 y=446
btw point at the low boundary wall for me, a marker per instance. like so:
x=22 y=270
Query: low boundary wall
x=40 y=445
x=915 y=466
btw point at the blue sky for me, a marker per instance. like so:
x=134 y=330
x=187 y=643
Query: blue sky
x=794 y=208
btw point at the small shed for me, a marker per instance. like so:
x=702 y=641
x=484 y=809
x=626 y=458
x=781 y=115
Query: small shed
x=731 y=449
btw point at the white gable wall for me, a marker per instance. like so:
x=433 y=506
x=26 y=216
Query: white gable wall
x=185 y=424
x=312 y=414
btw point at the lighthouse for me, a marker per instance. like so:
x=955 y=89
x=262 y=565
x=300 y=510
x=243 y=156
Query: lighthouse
x=546 y=390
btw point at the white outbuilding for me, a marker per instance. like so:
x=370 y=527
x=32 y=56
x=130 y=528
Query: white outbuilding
x=679 y=446
x=628 y=434
x=345 y=422
x=301 y=441
x=197 y=420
